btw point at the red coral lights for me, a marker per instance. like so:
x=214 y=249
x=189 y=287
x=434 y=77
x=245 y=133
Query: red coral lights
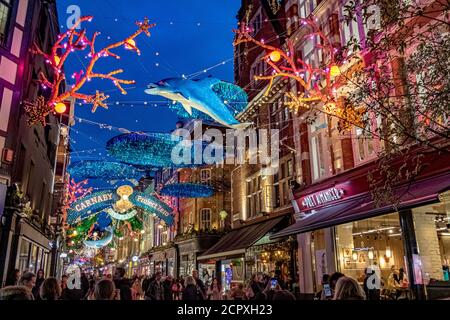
x=70 y=42
x=285 y=63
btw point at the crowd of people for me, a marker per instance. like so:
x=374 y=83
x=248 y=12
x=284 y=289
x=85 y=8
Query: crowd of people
x=30 y=286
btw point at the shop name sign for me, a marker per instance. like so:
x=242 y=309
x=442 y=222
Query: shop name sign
x=322 y=197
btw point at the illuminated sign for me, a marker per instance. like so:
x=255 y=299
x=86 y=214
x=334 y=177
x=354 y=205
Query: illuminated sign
x=322 y=197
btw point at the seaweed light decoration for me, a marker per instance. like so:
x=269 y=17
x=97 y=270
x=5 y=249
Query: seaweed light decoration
x=66 y=44
x=187 y=190
x=104 y=170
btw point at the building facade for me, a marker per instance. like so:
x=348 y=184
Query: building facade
x=339 y=225
x=35 y=158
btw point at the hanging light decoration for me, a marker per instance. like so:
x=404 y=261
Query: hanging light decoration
x=388 y=252
x=148 y=149
x=370 y=254
x=60 y=107
x=275 y=56
x=335 y=71
x=104 y=170
x=187 y=190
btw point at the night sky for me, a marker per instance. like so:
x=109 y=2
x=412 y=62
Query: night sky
x=190 y=36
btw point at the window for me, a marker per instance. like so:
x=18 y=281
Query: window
x=205 y=176
x=319 y=161
x=290 y=168
x=254 y=197
x=43 y=200
x=256 y=23
x=5 y=13
x=371 y=243
x=30 y=178
x=24 y=255
x=365 y=145
x=205 y=218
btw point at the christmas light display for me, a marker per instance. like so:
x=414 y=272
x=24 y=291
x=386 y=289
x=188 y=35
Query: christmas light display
x=98 y=244
x=149 y=149
x=152 y=205
x=121 y=216
x=37 y=111
x=73 y=192
x=316 y=81
x=235 y=100
x=187 y=190
x=104 y=170
x=77 y=41
x=90 y=205
x=208 y=95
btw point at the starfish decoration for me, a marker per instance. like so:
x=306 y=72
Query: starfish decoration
x=297 y=102
x=98 y=101
x=243 y=32
x=145 y=26
x=37 y=111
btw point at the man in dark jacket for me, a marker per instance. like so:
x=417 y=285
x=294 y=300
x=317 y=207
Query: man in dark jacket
x=155 y=289
x=84 y=284
x=122 y=284
x=200 y=283
x=167 y=283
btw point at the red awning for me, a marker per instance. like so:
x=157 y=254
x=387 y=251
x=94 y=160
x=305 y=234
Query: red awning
x=414 y=194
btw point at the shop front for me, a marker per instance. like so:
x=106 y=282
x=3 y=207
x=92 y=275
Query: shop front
x=163 y=261
x=189 y=249
x=247 y=250
x=406 y=244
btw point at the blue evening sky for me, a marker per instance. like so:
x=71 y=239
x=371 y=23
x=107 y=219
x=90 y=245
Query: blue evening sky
x=190 y=36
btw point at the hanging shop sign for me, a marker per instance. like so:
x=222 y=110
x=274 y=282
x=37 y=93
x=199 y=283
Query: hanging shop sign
x=321 y=198
x=89 y=205
x=152 y=205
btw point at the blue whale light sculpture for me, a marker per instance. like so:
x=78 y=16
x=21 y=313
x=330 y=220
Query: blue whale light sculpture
x=201 y=95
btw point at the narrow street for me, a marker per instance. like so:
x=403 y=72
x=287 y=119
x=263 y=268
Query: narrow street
x=239 y=150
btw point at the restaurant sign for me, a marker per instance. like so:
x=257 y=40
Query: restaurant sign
x=321 y=198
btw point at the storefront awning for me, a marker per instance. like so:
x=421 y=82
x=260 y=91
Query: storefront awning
x=414 y=194
x=236 y=241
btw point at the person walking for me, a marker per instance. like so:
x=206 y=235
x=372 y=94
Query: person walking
x=28 y=280
x=39 y=281
x=106 y=290
x=12 y=293
x=167 y=283
x=191 y=291
x=50 y=290
x=122 y=284
x=136 y=289
x=90 y=293
x=238 y=293
x=215 y=290
x=200 y=283
x=84 y=284
x=348 y=288
x=13 y=278
x=155 y=289
x=176 y=289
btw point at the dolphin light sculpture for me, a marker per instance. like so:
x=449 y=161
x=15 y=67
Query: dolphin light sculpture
x=199 y=95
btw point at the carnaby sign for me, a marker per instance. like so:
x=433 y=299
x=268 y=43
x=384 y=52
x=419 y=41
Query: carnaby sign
x=106 y=200
x=321 y=198
x=91 y=204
